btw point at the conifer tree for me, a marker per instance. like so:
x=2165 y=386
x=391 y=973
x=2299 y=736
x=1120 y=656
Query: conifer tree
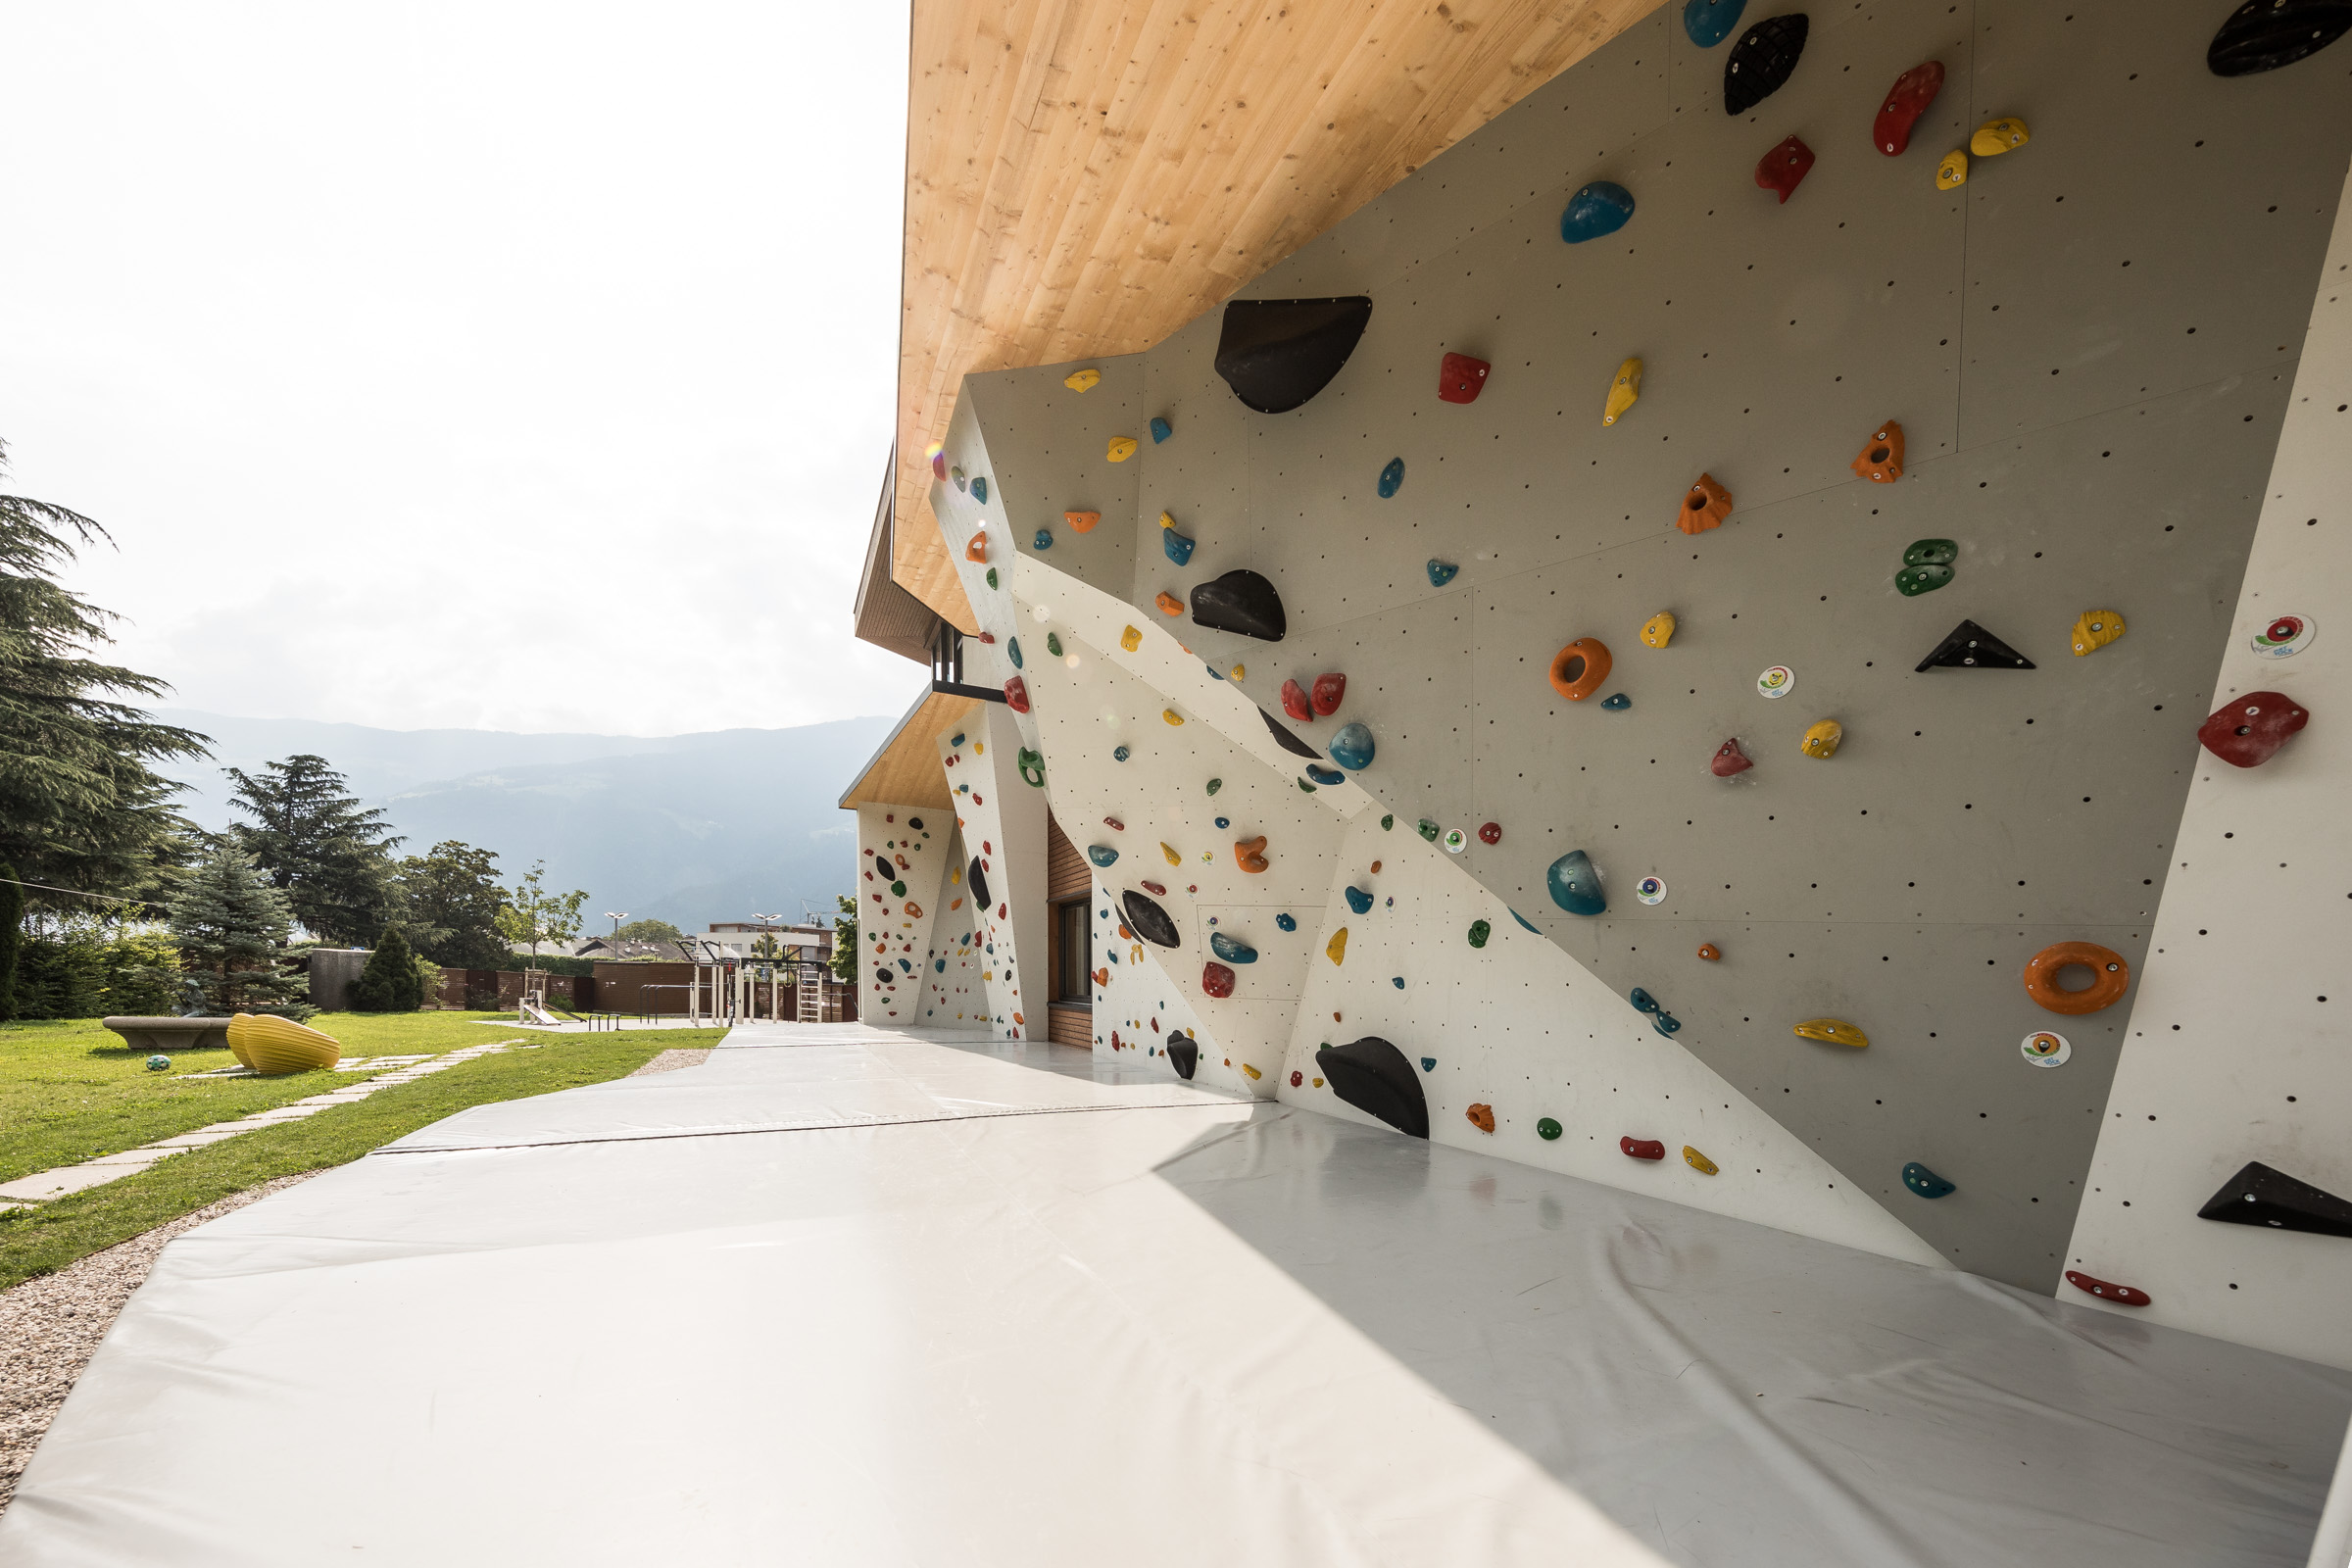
x=12 y=938
x=328 y=856
x=230 y=925
x=390 y=982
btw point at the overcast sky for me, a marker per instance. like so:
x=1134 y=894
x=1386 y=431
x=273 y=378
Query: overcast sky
x=496 y=364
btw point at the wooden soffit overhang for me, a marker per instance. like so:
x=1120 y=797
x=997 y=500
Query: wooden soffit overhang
x=905 y=770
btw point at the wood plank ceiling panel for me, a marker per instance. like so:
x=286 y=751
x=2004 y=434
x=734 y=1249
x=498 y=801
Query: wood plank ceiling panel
x=1083 y=176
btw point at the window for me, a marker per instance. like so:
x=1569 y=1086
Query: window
x=1073 y=983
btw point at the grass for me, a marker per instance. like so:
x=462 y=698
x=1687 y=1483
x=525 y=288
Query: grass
x=66 y=1096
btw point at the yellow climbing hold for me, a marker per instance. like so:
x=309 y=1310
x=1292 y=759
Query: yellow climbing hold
x=1083 y=380
x=1952 y=172
x=1659 y=630
x=1241 y=672
x=1319 y=1083
x=1998 y=136
x=2097 y=629
x=1833 y=1031
x=1173 y=857
x=1167 y=520
x=1131 y=639
x=1122 y=447
x=1335 y=950
x=1171 y=716
x=1251 y=1071
x=1822 y=738
x=1698 y=1161
x=1623 y=392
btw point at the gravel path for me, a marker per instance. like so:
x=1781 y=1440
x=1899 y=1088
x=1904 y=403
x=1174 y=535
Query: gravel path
x=51 y=1326
x=673 y=1060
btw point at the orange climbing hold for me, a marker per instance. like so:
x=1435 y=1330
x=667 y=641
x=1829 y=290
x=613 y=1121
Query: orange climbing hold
x=1482 y=1117
x=1082 y=521
x=1709 y=952
x=977 y=549
x=1251 y=854
x=1705 y=506
x=1578 y=670
x=1169 y=603
x=1882 y=458
x=2110 y=976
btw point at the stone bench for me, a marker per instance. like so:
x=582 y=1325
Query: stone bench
x=168 y=1035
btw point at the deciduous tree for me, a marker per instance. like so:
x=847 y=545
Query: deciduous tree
x=449 y=903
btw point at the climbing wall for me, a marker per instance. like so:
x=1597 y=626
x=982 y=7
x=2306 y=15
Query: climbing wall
x=1136 y=1006
x=953 y=994
x=2239 y=1049
x=1002 y=818
x=901 y=864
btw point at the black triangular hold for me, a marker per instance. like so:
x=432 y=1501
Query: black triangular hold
x=1374 y=1077
x=1149 y=920
x=2265 y=35
x=1971 y=647
x=1276 y=354
x=974 y=879
x=1184 y=1055
x=1241 y=601
x=1762 y=61
x=1287 y=741
x=2276 y=1201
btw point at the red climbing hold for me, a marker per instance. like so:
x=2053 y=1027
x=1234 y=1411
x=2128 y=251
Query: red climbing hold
x=1016 y=695
x=1482 y=1117
x=1730 y=759
x=1158 y=892
x=1216 y=979
x=2247 y=731
x=1460 y=378
x=1491 y=833
x=1293 y=701
x=1329 y=689
x=1785 y=168
x=2120 y=1295
x=1906 y=101
x=1642 y=1148
x=1297 y=1079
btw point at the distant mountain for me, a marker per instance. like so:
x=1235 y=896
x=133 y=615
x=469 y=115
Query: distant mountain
x=684 y=828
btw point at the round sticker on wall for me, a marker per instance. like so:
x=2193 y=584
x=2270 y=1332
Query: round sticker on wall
x=1456 y=841
x=2284 y=637
x=2044 y=1048
x=1650 y=890
x=1777 y=681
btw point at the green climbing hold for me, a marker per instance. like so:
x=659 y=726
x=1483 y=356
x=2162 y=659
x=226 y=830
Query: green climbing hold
x=1927 y=566
x=1427 y=829
x=1388 y=822
x=1053 y=644
x=992 y=577
x=1033 y=767
x=1306 y=787
x=1478 y=932
x=1548 y=1129
x=897 y=890
x=1216 y=784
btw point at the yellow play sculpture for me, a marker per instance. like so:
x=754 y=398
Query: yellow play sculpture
x=272 y=1046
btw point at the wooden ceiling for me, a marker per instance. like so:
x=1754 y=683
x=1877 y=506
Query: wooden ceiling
x=1083 y=176
x=905 y=770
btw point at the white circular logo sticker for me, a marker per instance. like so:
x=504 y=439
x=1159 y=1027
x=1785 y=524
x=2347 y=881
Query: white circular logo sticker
x=1650 y=890
x=2045 y=1049
x=2284 y=637
x=1456 y=841
x=1777 y=681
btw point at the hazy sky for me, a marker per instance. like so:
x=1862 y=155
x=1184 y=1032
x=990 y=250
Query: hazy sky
x=485 y=364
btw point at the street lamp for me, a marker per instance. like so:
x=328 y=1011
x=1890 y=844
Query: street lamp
x=616 y=916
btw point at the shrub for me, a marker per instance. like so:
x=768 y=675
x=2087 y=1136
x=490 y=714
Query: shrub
x=390 y=983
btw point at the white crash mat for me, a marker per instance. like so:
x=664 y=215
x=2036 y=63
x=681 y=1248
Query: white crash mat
x=909 y=1303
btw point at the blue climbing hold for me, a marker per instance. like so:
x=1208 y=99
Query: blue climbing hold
x=1232 y=951
x=1397 y=981
x=1224 y=822
x=1160 y=429
x=1043 y=539
x=1119 y=753
x=1012 y=651
x=1325 y=775
x=1601 y=208
x=1441 y=573
x=1522 y=919
x=1710 y=22
x=940 y=966
x=1616 y=701
x=1391 y=477
x=905 y=967
x=1429 y=1064
x=1925 y=1182
x=1286 y=922
x=1665 y=1023
x=1351 y=746
x=1358 y=901
x=1575 y=885
x=1644 y=1002
x=1179 y=549
x=1102 y=855
x=980 y=491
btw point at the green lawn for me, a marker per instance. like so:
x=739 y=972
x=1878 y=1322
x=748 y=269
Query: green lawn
x=72 y=1091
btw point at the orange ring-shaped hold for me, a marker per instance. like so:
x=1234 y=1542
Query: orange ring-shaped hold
x=1589 y=652
x=2041 y=977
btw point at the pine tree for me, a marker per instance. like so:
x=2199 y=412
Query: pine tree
x=12 y=938
x=230 y=923
x=390 y=982
x=329 y=857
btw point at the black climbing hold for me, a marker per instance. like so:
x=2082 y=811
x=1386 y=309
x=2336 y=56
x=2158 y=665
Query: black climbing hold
x=2265 y=35
x=1276 y=354
x=977 y=881
x=1184 y=1055
x=1242 y=601
x=1374 y=1077
x=1149 y=920
x=1287 y=741
x=1762 y=60
x=1971 y=647
x=2276 y=1201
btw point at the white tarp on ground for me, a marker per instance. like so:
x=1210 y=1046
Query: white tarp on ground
x=964 y=1311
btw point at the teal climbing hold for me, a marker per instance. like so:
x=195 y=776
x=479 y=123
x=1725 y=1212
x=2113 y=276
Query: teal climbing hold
x=1120 y=754
x=1601 y=208
x=1102 y=855
x=1710 y=22
x=1397 y=981
x=1429 y=1064
x=1548 y=1129
x=1925 y=1182
x=1351 y=746
x=1325 y=775
x=1012 y=651
x=1358 y=901
x=1053 y=644
x=1286 y=922
x=1441 y=573
x=1177 y=547
x=1575 y=885
x=1391 y=477
x=1644 y=1002
x=1224 y=822
x=1231 y=951
x=1522 y=919
x=1665 y=1023
x=1043 y=539
x=1616 y=701
x=980 y=491
x=1478 y=932
x=1160 y=429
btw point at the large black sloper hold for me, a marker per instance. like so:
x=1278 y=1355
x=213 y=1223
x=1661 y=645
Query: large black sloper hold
x=1149 y=920
x=1971 y=647
x=1184 y=1055
x=2265 y=35
x=1374 y=1077
x=1762 y=61
x=1242 y=601
x=1287 y=741
x=977 y=880
x=1276 y=354
x=2276 y=1201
